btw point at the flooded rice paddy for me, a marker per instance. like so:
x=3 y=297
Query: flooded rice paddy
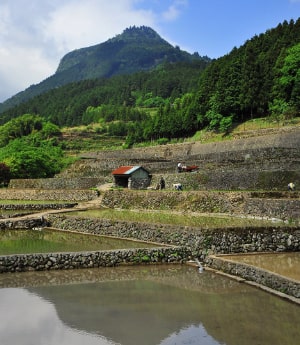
x=51 y=241
x=149 y=305
x=285 y=264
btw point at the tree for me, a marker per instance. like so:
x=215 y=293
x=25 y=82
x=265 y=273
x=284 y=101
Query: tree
x=4 y=174
x=20 y=127
x=290 y=75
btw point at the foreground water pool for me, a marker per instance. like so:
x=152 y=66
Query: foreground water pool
x=144 y=305
x=51 y=241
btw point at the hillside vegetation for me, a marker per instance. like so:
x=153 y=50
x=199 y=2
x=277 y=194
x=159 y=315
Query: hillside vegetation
x=174 y=100
x=135 y=50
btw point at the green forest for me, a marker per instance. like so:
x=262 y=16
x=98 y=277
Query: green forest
x=260 y=79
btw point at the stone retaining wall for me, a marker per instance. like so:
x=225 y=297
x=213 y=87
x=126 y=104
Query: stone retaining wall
x=57 y=183
x=269 y=161
x=184 y=244
x=37 y=207
x=285 y=138
x=218 y=178
x=229 y=179
x=27 y=223
x=200 y=242
x=285 y=208
x=238 y=170
x=258 y=275
x=109 y=258
x=283 y=205
x=44 y=194
x=265 y=162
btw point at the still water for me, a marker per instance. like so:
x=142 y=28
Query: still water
x=53 y=241
x=285 y=264
x=145 y=305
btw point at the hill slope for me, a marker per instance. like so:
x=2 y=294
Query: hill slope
x=134 y=50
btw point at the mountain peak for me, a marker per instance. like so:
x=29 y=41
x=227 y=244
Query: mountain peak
x=134 y=32
x=135 y=49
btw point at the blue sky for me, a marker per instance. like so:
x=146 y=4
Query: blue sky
x=36 y=34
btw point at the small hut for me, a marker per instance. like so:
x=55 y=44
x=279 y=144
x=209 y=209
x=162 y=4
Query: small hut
x=132 y=177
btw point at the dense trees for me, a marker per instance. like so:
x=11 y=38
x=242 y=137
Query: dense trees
x=29 y=148
x=174 y=100
x=246 y=82
x=67 y=106
x=136 y=49
x=289 y=78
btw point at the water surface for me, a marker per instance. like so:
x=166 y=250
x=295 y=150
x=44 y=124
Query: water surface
x=148 y=305
x=51 y=241
x=285 y=264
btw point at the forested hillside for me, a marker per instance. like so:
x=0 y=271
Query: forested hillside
x=136 y=49
x=261 y=78
x=68 y=105
x=172 y=100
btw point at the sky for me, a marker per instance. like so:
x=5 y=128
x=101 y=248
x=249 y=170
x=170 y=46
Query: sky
x=36 y=34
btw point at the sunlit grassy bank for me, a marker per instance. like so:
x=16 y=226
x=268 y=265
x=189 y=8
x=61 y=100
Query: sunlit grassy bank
x=86 y=138
x=208 y=221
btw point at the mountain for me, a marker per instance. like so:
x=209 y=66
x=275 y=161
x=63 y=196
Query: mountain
x=175 y=99
x=136 y=49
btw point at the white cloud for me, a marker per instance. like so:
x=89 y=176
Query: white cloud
x=35 y=35
x=77 y=24
x=174 y=10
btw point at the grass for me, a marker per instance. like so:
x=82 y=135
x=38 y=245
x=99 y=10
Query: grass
x=264 y=123
x=207 y=221
x=85 y=138
x=206 y=136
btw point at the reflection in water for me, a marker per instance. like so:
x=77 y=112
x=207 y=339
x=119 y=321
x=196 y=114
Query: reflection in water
x=54 y=241
x=149 y=305
x=190 y=335
x=27 y=319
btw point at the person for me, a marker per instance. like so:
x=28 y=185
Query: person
x=291 y=186
x=179 y=167
x=177 y=186
x=162 y=183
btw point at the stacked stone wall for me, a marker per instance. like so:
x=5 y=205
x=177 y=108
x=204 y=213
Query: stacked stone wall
x=45 y=194
x=200 y=242
x=219 y=179
x=184 y=244
x=286 y=138
x=266 y=162
x=37 y=207
x=225 y=179
x=255 y=274
x=269 y=161
x=28 y=223
x=264 y=158
x=65 y=261
x=283 y=205
x=66 y=183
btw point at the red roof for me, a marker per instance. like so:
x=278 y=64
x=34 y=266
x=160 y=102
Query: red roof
x=125 y=170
